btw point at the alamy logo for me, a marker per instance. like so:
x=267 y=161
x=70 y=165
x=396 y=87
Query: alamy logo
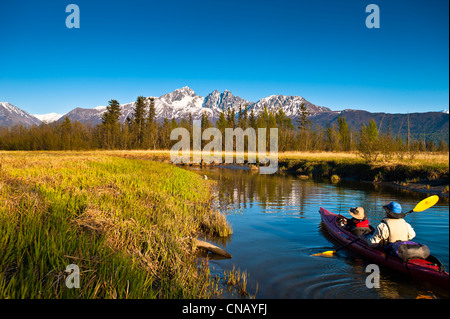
x=256 y=146
x=73 y=279
x=373 y=19
x=373 y=279
x=73 y=19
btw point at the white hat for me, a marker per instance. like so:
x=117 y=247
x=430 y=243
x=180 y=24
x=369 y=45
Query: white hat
x=357 y=212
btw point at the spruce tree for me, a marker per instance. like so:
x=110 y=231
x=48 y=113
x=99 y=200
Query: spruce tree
x=151 y=140
x=221 y=123
x=66 y=134
x=138 y=123
x=205 y=123
x=252 y=120
x=111 y=126
x=303 y=120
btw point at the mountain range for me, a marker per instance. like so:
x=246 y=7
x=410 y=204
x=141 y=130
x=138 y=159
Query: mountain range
x=11 y=115
x=182 y=102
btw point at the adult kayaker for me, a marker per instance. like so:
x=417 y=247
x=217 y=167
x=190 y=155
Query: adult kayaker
x=358 y=224
x=392 y=228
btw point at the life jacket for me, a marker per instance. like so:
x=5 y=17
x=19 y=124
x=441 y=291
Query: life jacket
x=358 y=227
x=398 y=229
x=362 y=223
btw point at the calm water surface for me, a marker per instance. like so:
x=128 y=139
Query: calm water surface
x=276 y=227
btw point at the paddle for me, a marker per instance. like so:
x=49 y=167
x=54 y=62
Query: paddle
x=424 y=204
x=420 y=207
x=330 y=253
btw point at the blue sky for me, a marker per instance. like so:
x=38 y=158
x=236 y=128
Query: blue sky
x=321 y=50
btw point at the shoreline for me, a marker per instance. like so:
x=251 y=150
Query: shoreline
x=426 y=173
x=401 y=176
x=419 y=187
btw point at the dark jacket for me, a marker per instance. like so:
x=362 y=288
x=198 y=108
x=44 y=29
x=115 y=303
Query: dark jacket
x=358 y=227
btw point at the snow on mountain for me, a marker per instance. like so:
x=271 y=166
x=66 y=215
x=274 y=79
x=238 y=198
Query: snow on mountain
x=179 y=104
x=183 y=103
x=11 y=115
x=82 y=115
x=289 y=104
x=48 y=118
x=224 y=101
x=184 y=98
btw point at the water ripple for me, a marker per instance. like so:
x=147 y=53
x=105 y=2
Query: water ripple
x=277 y=227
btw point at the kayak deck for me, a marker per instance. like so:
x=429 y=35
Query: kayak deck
x=430 y=270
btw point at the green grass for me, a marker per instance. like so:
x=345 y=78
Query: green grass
x=423 y=166
x=126 y=223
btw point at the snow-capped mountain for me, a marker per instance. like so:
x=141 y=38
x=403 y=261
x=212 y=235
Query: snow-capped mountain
x=177 y=104
x=224 y=101
x=184 y=102
x=82 y=115
x=11 y=115
x=289 y=104
x=48 y=118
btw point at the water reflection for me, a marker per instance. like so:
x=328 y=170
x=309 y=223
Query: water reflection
x=276 y=227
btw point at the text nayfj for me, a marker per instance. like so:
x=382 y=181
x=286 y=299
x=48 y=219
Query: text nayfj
x=232 y=308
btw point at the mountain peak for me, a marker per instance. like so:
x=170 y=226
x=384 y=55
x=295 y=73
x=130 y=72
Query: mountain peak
x=179 y=95
x=186 y=90
x=11 y=115
x=223 y=101
x=48 y=118
x=290 y=104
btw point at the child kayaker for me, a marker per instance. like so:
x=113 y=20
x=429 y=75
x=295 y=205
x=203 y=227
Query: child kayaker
x=392 y=228
x=358 y=224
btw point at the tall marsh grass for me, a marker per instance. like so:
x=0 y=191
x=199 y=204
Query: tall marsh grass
x=125 y=223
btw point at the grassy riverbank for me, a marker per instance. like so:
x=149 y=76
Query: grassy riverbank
x=126 y=223
x=425 y=172
x=127 y=219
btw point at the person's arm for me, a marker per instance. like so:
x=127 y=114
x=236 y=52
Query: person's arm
x=380 y=233
x=411 y=232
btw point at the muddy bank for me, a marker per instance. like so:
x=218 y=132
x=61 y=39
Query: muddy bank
x=428 y=187
x=432 y=179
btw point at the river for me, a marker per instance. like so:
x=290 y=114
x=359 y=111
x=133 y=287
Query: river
x=277 y=227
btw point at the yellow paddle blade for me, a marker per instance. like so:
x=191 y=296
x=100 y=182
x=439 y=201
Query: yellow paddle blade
x=426 y=203
x=328 y=253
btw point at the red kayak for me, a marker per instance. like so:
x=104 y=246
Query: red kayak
x=430 y=270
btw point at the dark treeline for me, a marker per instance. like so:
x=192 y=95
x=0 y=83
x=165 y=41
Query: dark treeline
x=142 y=131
